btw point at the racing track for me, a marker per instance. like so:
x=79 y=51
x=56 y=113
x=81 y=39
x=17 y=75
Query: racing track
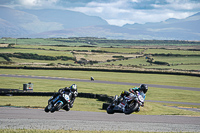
x=27 y=118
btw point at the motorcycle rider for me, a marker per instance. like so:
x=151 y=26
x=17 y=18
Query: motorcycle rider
x=138 y=91
x=142 y=90
x=73 y=90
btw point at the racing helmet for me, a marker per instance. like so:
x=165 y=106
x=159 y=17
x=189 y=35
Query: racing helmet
x=144 y=88
x=73 y=87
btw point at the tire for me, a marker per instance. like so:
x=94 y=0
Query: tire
x=46 y=109
x=56 y=108
x=53 y=109
x=105 y=106
x=110 y=110
x=128 y=110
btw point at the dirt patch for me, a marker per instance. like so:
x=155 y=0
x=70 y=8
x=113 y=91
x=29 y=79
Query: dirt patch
x=4 y=45
x=101 y=57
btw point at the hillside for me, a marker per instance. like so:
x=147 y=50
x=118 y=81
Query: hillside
x=179 y=29
x=171 y=29
x=16 y=23
x=63 y=23
x=68 y=19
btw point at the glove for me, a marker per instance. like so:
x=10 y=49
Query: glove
x=75 y=93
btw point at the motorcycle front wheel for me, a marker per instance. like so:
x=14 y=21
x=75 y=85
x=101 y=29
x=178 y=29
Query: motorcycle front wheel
x=131 y=108
x=56 y=108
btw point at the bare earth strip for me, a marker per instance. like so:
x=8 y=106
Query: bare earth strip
x=25 y=118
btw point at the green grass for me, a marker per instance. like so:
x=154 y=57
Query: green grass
x=157 y=94
x=167 y=51
x=122 y=50
x=160 y=79
x=176 y=67
x=44 y=47
x=136 y=62
x=69 y=48
x=2 y=59
x=81 y=104
x=37 y=51
x=42 y=62
x=178 y=60
x=41 y=41
x=184 y=63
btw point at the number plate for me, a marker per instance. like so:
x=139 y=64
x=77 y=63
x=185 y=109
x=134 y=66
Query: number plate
x=141 y=98
x=66 y=97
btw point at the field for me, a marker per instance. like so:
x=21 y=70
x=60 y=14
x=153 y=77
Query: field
x=101 y=53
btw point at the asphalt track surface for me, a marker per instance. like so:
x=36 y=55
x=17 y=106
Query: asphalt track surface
x=27 y=118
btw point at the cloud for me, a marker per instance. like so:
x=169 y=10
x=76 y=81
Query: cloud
x=139 y=11
x=30 y=4
x=38 y=3
x=180 y=5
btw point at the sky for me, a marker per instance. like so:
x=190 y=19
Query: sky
x=116 y=12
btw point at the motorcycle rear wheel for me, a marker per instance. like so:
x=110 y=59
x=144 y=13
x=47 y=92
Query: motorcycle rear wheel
x=110 y=109
x=46 y=109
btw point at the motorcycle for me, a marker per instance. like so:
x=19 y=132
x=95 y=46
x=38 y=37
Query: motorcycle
x=59 y=101
x=126 y=105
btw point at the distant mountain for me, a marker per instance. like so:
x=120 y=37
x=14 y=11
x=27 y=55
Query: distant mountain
x=27 y=22
x=7 y=28
x=180 y=29
x=62 y=23
x=170 y=29
x=108 y=31
x=68 y=19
